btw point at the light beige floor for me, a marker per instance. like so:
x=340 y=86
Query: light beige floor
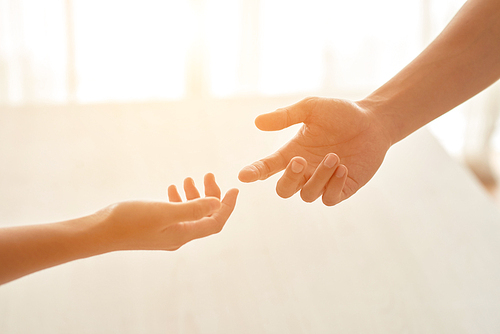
x=415 y=251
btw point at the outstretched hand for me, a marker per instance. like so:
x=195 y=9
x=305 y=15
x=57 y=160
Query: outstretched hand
x=133 y=225
x=338 y=150
x=143 y=225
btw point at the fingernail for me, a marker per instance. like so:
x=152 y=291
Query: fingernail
x=340 y=172
x=297 y=167
x=331 y=160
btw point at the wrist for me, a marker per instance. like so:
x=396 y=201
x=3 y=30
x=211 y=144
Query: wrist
x=383 y=117
x=100 y=231
x=89 y=235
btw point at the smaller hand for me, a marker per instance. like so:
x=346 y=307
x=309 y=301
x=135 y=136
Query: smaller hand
x=142 y=225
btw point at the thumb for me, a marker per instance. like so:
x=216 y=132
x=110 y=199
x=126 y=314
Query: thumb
x=194 y=210
x=283 y=117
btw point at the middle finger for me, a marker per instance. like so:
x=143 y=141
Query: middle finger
x=190 y=189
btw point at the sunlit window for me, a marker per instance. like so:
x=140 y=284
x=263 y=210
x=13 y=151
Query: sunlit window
x=88 y=51
x=131 y=50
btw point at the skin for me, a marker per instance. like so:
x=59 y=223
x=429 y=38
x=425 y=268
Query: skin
x=462 y=61
x=133 y=225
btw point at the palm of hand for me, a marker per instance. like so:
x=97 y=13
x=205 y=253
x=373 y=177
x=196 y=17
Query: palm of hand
x=340 y=127
x=147 y=225
x=338 y=149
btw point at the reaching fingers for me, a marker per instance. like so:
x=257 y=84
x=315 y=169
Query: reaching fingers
x=193 y=210
x=276 y=120
x=190 y=189
x=262 y=169
x=333 y=191
x=214 y=224
x=292 y=179
x=316 y=185
x=211 y=187
x=173 y=194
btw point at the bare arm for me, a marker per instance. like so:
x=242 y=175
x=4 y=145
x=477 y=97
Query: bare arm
x=461 y=62
x=134 y=225
x=343 y=143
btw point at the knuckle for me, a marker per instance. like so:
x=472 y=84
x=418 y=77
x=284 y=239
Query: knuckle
x=309 y=102
x=308 y=99
x=266 y=167
x=263 y=167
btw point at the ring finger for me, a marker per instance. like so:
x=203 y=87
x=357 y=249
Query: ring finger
x=315 y=186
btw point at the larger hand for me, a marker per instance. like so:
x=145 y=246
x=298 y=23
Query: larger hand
x=338 y=149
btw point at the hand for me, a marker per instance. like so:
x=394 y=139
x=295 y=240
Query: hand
x=167 y=226
x=338 y=150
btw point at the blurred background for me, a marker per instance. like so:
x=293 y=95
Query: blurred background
x=107 y=53
x=110 y=100
x=89 y=51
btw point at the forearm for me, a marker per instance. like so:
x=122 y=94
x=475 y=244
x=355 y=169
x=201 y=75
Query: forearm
x=462 y=61
x=26 y=249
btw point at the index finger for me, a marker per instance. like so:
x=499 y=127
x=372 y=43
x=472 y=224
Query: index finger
x=264 y=168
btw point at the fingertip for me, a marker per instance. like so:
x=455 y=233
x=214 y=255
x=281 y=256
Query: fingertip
x=328 y=202
x=307 y=197
x=292 y=180
x=298 y=165
x=330 y=160
x=190 y=189
x=259 y=121
x=334 y=190
x=173 y=194
x=341 y=171
x=231 y=196
x=248 y=174
x=211 y=187
x=283 y=193
x=299 y=159
x=272 y=121
x=209 y=177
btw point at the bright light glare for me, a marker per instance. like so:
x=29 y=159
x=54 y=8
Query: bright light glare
x=32 y=52
x=131 y=50
x=223 y=41
x=158 y=50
